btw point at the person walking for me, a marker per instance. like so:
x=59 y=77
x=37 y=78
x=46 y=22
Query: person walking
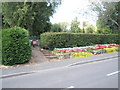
x=34 y=43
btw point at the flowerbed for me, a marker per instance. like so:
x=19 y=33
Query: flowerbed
x=79 y=52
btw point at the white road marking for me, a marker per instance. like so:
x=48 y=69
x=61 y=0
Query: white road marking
x=71 y=87
x=113 y=73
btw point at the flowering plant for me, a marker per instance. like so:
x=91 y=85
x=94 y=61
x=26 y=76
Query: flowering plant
x=78 y=52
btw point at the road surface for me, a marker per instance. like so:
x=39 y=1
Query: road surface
x=101 y=74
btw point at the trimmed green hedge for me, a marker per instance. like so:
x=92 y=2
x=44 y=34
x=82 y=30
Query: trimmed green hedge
x=0 y=46
x=63 y=40
x=16 y=47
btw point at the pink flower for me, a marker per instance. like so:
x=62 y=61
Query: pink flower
x=116 y=45
x=97 y=45
x=80 y=50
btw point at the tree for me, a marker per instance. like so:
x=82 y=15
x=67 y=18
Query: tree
x=108 y=15
x=33 y=16
x=63 y=26
x=59 y=27
x=56 y=28
x=17 y=14
x=89 y=29
x=75 y=26
x=104 y=31
x=85 y=24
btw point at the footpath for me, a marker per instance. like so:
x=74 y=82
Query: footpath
x=56 y=64
x=37 y=56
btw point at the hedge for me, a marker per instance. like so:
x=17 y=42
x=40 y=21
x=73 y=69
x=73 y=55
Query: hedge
x=52 y=40
x=16 y=47
x=0 y=46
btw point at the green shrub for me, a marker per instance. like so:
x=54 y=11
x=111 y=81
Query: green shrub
x=15 y=46
x=63 y=40
x=89 y=29
x=0 y=47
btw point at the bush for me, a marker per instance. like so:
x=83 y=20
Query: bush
x=104 y=31
x=64 y=40
x=0 y=47
x=16 y=47
x=89 y=29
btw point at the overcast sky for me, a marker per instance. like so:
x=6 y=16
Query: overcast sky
x=69 y=9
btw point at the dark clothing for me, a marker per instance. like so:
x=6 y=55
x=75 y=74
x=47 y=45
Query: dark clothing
x=34 y=43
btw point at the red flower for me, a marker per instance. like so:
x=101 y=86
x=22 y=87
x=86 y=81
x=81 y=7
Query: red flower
x=80 y=50
x=74 y=50
x=62 y=50
x=100 y=46
x=109 y=46
x=83 y=49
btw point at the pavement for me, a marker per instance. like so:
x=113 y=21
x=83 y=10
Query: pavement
x=37 y=56
x=56 y=64
x=99 y=74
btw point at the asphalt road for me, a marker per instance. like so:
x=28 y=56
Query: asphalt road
x=102 y=74
x=56 y=64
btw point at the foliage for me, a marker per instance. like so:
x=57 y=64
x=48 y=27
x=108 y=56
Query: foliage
x=63 y=40
x=75 y=26
x=89 y=29
x=85 y=51
x=59 y=27
x=56 y=28
x=33 y=16
x=104 y=31
x=0 y=46
x=82 y=54
x=85 y=24
x=15 y=46
x=112 y=49
x=63 y=26
x=89 y=49
x=108 y=15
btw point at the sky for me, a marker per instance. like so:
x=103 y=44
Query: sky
x=69 y=9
